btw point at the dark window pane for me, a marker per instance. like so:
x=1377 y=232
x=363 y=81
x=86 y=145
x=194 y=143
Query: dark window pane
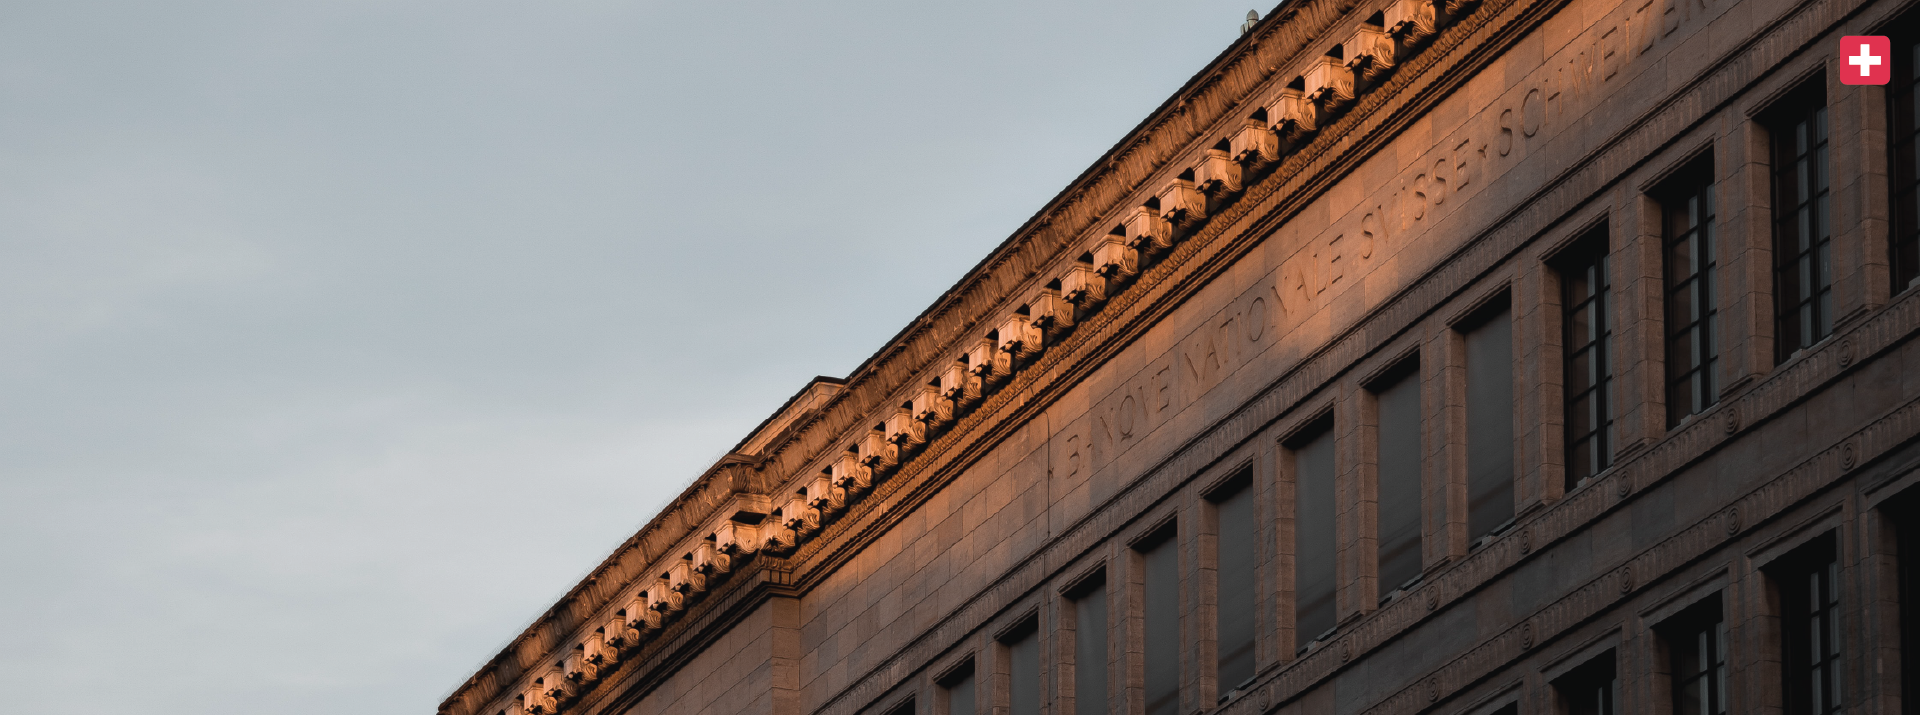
x=959 y=691
x=1400 y=450
x=1090 y=649
x=1162 y=611
x=1691 y=278
x=1808 y=580
x=1489 y=348
x=1696 y=641
x=1313 y=559
x=1023 y=664
x=1590 y=689
x=1238 y=549
x=1908 y=550
x=1586 y=344
x=1903 y=244
x=1803 y=286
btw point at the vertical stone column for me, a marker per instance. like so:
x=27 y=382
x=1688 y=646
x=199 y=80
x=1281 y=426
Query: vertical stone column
x=1639 y=319
x=784 y=658
x=1746 y=253
x=1856 y=118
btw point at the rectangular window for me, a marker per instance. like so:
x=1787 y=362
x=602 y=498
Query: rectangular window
x=1802 y=237
x=1090 y=647
x=1237 y=553
x=1313 y=535
x=1488 y=341
x=1023 y=666
x=905 y=708
x=1696 y=641
x=1907 y=550
x=1161 y=608
x=1808 y=580
x=957 y=689
x=1397 y=461
x=1590 y=689
x=1690 y=267
x=1903 y=246
x=1586 y=356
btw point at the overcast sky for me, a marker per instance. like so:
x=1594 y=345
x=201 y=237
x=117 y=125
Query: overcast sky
x=338 y=339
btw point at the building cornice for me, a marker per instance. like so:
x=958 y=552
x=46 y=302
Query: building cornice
x=1130 y=174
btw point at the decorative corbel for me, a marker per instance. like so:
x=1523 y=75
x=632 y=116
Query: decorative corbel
x=580 y=670
x=902 y=429
x=1410 y=22
x=709 y=560
x=959 y=384
x=801 y=517
x=663 y=599
x=1018 y=338
x=988 y=363
x=737 y=539
x=534 y=700
x=1217 y=173
x=683 y=579
x=1114 y=258
x=1051 y=313
x=1083 y=285
x=876 y=452
x=776 y=537
x=1182 y=203
x=1255 y=145
x=931 y=406
x=850 y=474
x=600 y=652
x=1330 y=84
x=641 y=615
x=1295 y=116
x=559 y=688
x=619 y=634
x=1370 y=53
x=824 y=496
x=1148 y=232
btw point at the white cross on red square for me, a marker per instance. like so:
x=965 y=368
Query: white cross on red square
x=1865 y=59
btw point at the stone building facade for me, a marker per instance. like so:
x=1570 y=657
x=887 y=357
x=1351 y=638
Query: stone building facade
x=1485 y=357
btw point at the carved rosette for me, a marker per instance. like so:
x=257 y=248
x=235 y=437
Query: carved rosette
x=1370 y=53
